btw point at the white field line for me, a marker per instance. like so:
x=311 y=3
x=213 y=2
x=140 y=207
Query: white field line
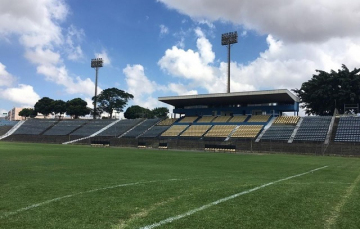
x=171 y=219
x=76 y=194
x=337 y=210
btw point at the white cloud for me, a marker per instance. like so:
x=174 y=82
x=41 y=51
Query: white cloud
x=105 y=57
x=6 y=79
x=143 y=89
x=60 y=76
x=73 y=37
x=140 y=86
x=89 y=102
x=190 y=64
x=42 y=56
x=23 y=95
x=297 y=20
x=37 y=25
x=207 y=22
x=35 y=21
x=163 y=30
x=282 y=65
x=181 y=89
x=196 y=66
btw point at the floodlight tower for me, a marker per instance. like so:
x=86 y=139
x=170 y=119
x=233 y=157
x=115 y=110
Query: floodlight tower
x=96 y=63
x=229 y=39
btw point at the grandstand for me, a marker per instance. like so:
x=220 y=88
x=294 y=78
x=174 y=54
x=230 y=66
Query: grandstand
x=36 y=126
x=65 y=127
x=221 y=119
x=6 y=125
x=313 y=129
x=250 y=121
x=247 y=131
x=120 y=127
x=174 y=131
x=140 y=129
x=220 y=131
x=236 y=119
x=281 y=133
x=195 y=131
x=348 y=130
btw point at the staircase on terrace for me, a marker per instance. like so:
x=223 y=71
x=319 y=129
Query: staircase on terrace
x=94 y=134
x=12 y=130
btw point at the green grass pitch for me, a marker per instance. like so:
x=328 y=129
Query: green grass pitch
x=64 y=186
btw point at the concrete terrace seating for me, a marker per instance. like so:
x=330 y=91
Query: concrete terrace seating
x=313 y=129
x=4 y=129
x=241 y=118
x=287 y=120
x=141 y=128
x=195 y=131
x=221 y=119
x=247 y=131
x=167 y=122
x=120 y=128
x=221 y=131
x=348 y=130
x=188 y=119
x=65 y=127
x=174 y=131
x=7 y=123
x=35 y=126
x=154 y=132
x=205 y=119
x=276 y=132
x=92 y=126
x=259 y=118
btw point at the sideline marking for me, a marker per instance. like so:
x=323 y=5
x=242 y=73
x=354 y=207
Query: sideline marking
x=79 y=193
x=171 y=219
x=337 y=210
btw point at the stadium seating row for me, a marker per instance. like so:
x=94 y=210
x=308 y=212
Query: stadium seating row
x=288 y=120
x=348 y=130
x=311 y=128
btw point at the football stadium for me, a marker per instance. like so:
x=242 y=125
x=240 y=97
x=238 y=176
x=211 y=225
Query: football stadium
x=228 y=160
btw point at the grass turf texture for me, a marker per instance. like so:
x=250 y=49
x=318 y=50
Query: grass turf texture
x=35 y=173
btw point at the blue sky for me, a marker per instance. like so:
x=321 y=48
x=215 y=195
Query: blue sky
x=168 y=47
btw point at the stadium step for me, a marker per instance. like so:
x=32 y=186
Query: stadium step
x=295 y=131
x=12 y=130
x=92 y=135
x=132 y=128
x=231 y=133
x=328 y=135
x=272 y=120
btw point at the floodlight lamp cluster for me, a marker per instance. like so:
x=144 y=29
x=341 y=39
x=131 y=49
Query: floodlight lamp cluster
x=96 y=63
x=229 y=38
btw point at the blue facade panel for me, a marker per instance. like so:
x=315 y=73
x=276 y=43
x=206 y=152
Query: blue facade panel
x=269 y=110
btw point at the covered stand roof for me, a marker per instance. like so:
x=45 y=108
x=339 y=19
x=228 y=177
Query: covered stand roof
x=248 y=97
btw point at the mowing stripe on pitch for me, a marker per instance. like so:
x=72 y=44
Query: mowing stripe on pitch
x=79 y=193
x=171 y=219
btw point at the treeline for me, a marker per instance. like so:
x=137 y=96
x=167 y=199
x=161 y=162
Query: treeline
x=327 y=92
x=76 y=107
x=108 y=101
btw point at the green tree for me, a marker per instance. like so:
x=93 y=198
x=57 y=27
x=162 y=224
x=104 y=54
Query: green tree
x=27 y=112
x=160 y=112
x=138 y=112
x=59 y=107
x=112 y=99
x=326 y=91
x=44 y=106
x=77 y=107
